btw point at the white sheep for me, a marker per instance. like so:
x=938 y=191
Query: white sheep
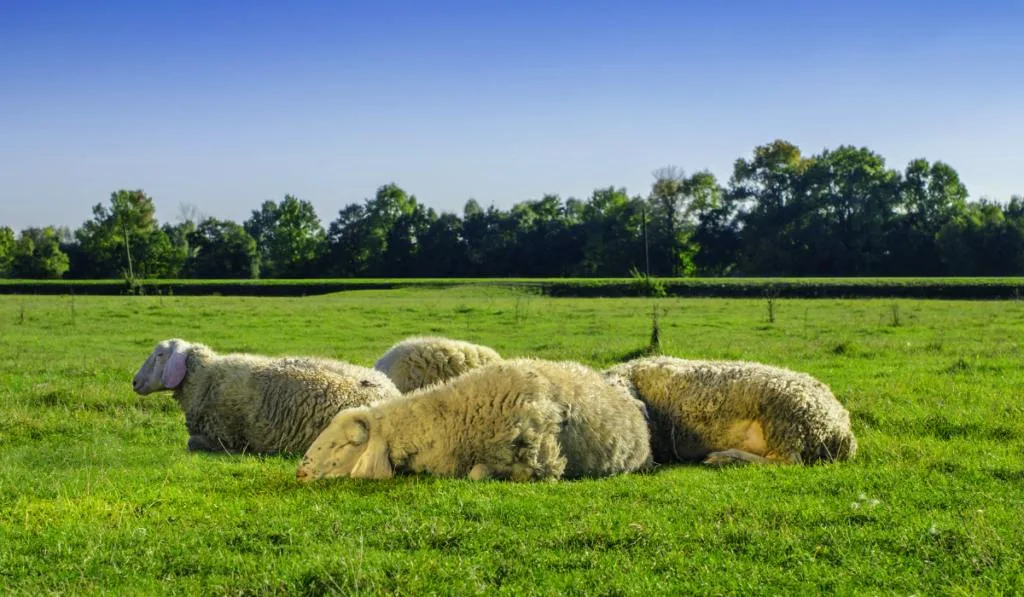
x=266 y=405
x=521 y=419
x=418 y=362
x=733 y=412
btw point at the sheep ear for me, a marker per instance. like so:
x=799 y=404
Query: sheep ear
x=357 y=431
x=374 y=463
x=174 y=370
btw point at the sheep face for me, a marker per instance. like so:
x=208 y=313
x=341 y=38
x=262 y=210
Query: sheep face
x=164 y=369
x=348 y=447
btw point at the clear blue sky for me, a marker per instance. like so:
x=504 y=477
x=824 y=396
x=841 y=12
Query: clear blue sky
x=226 y=104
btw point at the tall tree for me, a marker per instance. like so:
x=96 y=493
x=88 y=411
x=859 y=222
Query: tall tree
x=289 y=236
x=931 y=196
x=347 y=252
x=6 y=250
x=613 y=233
x=222 y=249
x=847 y=216
x=442 y=250
x=37 y=254
x=768 y=192
x=125 y=239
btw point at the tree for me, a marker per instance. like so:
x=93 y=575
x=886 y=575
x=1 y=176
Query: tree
x=125 y=240
x=847 y=214
x=931 y=196
x=222 y=249
x=6 y=250
x=665 y=221
x=290 y=239
x=347 y=252
x=612 y=231
x=768 y=195
x=37 y=254
x=442 y=250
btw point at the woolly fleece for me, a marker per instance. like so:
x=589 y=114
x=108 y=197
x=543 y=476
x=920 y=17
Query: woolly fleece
x=251 y=403
x=522 y=419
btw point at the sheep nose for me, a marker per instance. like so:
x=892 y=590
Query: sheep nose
x=301 y=474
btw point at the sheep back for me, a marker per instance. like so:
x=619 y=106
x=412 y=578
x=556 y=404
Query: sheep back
x=271 y=405
x=418 y=362
x=520 y=420
x=697 y=407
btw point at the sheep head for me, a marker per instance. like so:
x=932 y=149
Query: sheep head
x=352 y=445
x=164 y=369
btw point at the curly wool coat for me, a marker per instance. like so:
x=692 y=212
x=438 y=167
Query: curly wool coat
x=699 y=409
x=522 y=419
x=418 y=362
x=250 y=403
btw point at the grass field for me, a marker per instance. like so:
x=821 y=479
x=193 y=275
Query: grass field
x=97 y=493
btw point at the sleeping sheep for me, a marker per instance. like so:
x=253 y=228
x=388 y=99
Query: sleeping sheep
x=734 y=412
x=242 y=402
x=418 y=362
x=520 y=420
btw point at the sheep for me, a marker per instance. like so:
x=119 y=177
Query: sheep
x=736 y=412
x=249 y=403
x=520 y=419
x=418 y=362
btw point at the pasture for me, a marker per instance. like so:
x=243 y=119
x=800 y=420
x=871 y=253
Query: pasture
x=98 y=495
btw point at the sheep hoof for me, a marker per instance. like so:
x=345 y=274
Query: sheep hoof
x=733 y=457
x=199 y=443
x=480 y=472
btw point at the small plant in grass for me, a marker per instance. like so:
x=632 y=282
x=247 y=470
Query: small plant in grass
x=522 y=308
x=771 y=295
x=894 y=315
x=654 y=346
x=645 y=285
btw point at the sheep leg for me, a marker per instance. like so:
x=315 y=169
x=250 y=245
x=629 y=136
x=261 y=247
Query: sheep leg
x=734 y=456
x=201 y=443
x=480 y=472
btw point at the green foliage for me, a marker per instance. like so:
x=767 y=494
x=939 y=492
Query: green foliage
x=125 y=240
x=289 y=237
x=37 y=254
x=6 y=250
x=840 y=212
x=98 y=495
x=647 y=286
x=222 y=249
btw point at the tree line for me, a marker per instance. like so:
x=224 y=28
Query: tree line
x=840 y=212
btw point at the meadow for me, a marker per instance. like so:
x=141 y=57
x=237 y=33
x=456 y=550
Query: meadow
x=99 y=496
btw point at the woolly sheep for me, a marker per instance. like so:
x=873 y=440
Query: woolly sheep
x=418 y=362
x=734 y=412
x=242 y=402
x=521 y=419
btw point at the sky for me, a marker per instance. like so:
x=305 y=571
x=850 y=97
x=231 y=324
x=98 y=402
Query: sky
x=224 y=105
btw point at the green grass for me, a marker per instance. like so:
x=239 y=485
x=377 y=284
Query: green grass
x=97 y=494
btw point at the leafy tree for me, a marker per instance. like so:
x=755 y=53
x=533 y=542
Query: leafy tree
x=768 y=193
x=222 y=249
x=931 y=196
x=290 y=239
x=442 y=249
x=848 y=214
x=125 y=239
x=348 y=253
x=6 y=250
x=612 y=231
x=37 y=254
x=968 y=242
